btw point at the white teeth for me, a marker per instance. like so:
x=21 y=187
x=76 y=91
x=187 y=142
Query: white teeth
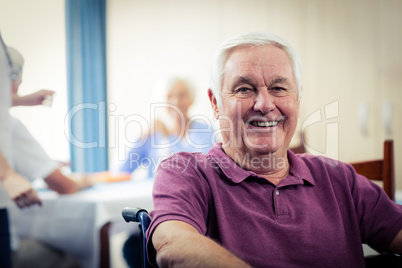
x=264 y=124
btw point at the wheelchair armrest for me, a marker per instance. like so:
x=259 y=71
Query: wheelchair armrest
x=142 y=217
x=131 y=214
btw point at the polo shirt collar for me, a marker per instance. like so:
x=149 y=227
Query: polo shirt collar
x=229 y=167
x=299 y=169
x=237 y=174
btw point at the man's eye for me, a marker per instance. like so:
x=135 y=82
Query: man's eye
x=243 y=90
x=279 y=91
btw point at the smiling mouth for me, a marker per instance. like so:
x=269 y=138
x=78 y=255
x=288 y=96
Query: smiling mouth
x=263 y=124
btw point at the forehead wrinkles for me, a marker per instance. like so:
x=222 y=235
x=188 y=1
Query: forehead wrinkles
x=259 y=66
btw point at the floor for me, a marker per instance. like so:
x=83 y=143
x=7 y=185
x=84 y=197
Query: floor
x=116 y=256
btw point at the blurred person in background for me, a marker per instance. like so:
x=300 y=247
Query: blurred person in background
x=173 y=131
x=32 y=161
x=25 y=159
x=13 y=186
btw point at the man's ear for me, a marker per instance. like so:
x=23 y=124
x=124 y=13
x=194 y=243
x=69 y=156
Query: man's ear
x=214 y=103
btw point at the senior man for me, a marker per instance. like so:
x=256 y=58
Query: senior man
x=250 y=201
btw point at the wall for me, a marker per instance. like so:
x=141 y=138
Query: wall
x=349 y=51
x=348 y=57
x=36 y=29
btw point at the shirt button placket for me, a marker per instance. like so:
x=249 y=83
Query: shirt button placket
x=275 y=200
x=281 y=210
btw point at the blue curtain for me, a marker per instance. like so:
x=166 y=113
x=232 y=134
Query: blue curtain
x=86 y=81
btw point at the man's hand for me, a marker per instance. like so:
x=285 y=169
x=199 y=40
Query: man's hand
x=63 y=184
x=20 y=190
x=40 y=97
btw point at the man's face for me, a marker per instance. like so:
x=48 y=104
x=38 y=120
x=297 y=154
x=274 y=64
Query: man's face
x=259 y=102
x=179 y=96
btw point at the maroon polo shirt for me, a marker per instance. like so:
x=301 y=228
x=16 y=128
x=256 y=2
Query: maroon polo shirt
x=318 y=216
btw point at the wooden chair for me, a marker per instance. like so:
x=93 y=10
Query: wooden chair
x=299 y=149
x=381 y=169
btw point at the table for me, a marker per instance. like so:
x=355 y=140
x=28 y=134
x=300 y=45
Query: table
x=73 y=223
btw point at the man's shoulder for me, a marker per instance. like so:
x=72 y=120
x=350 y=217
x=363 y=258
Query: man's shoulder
x=321 y=161
x=207 y=164
x=186 y=159
x=186 y=155
x=321 y=166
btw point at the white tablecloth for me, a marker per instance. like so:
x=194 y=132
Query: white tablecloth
x=72 y=222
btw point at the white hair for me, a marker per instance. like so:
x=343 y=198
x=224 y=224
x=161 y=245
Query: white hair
x=17 y=61
x=163 y=86
x=252 y=39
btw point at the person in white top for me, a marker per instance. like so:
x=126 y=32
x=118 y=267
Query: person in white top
x=22 y=157
x=32 y=161
x=12 y=186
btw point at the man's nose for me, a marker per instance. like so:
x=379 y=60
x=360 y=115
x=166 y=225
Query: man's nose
x=264 y=102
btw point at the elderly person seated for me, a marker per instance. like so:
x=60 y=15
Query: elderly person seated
x=250 y=201
x=22 y=158
x=174 y=130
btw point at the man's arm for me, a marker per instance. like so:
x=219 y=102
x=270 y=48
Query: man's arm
x=17 y=187
x=396 y=244
x=39 y=97
x=179 y=244
x=62 y=184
